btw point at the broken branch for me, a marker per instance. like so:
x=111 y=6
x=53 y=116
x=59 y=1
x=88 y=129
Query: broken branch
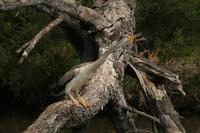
x=70 y=7
x=169 y=79
x=26 y=48
x=158 y=100
x=133 y=110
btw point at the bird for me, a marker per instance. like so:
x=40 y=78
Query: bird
x=79 y=75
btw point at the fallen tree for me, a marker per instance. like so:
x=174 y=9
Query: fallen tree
x=108 y=21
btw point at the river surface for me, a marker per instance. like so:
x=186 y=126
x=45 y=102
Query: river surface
x=98 y=125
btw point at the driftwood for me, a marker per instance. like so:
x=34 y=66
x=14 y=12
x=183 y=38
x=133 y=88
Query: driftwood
x=110 y=20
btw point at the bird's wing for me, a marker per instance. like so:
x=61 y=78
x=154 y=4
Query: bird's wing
x=68 y=76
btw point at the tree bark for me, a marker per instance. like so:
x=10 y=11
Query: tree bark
x=111 y=20
x=153 y=80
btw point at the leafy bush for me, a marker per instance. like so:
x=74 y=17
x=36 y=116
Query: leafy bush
x=160 y=18
x=51 y=58
x=173 y=27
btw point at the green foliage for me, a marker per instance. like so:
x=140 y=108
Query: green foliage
x=129 y=84
x=193 y=85
x=170 y=25
x=87 y=3
x=52 y=57
x=173 y=26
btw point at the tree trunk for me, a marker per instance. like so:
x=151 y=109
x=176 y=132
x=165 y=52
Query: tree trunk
x=110 y=20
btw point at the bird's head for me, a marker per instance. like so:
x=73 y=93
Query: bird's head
x=133 y=38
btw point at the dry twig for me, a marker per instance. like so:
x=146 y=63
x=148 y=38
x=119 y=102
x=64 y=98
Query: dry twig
x=26 y=48
x=133 y=110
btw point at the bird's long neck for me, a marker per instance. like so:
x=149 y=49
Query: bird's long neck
x=103 y=57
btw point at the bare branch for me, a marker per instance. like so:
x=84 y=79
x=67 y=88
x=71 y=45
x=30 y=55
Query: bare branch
x=104 y=86
x=159 y=102
x=169 y=79
x=26 y=48
x=50 y=11
x=67 y=6
x=12 y=4
x=133 y=110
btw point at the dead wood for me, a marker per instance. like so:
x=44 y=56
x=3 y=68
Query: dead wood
x=26 y=48
x=156 y=96
x=110 y=21
x=66 y=6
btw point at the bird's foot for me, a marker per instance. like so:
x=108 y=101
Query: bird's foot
x=83 y=102
x=75 y=101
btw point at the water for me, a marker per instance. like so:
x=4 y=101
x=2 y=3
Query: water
x=18 y=124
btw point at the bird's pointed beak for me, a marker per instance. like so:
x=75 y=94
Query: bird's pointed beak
x=133 y=38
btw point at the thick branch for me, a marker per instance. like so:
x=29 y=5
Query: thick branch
x=26 y=48
x=122 y=124
x=104 y=86
x=67 y=6
x=159 y=103
x=64 y=114
x=166 y=77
